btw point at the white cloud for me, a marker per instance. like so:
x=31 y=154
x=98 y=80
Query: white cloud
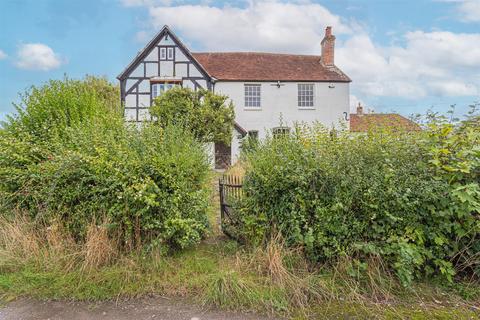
x=354 y=101
x=37 y=56
x=3 y=55
x=436 y=63
x=138 y=3
x=260 y=25
x=453 y=88
x=469 y=10
x=429 y=63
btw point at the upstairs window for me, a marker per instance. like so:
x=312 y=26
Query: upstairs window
x=163 y=53
x=305 y=95
x=252 y=96
x=158 y=88
x=167 y=53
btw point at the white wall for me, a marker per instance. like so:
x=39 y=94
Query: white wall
x=210 y=150
x=236 y=144
x=329 y=105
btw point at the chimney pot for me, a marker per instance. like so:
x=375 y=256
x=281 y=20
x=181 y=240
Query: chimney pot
x=359 y=109
x=328 y=31
x=328 y=47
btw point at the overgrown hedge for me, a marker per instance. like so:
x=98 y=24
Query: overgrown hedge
x=68 y=155
x=411 y=198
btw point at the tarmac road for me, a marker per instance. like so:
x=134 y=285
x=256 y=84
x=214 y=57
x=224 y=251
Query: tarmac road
x=138 y=309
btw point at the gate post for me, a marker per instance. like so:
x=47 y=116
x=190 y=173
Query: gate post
x=220 y=191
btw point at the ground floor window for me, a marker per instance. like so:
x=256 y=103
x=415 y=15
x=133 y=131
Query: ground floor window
x=250 y=141
x=158 y=88
x=253 y=134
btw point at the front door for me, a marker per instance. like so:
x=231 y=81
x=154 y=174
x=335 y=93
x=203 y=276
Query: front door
x=223 y=155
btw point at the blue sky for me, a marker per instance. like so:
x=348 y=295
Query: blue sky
x=404 y=56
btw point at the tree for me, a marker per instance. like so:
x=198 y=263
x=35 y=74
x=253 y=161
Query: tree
x=206 y=114
x=46 y=111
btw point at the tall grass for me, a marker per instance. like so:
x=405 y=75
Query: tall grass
x=43 y=261
x=50 y=247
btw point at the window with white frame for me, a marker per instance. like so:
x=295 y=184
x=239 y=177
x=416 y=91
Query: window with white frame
x=159 y=88
x=305 y=95
x=163 y=53
x=252 y=96
x=169 y=53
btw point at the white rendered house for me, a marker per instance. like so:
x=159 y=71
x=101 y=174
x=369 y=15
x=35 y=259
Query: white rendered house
x=266 y=88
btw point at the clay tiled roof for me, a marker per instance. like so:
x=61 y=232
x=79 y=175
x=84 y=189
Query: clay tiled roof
x=365 y=122
x=253 y=66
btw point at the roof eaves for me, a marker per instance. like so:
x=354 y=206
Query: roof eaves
x=281 y=80
x=142 y=52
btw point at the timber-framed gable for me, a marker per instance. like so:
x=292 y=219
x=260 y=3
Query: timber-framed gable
x=163 y=63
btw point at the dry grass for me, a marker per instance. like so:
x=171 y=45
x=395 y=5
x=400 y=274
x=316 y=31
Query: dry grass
x=238 y=169
x=22 y=241
x=272 y=278
x=305 y=285
x=287 y=270
x=18 y=242
x=99 y=249
x=371 y=283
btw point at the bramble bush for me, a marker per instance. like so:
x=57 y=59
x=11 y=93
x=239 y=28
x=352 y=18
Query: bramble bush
x=69 y=156
x=412 y=199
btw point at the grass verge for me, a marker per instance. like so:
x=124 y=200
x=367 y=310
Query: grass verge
x=219 y=273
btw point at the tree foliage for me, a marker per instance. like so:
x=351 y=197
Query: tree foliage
x=45 y=112
x=206 y=114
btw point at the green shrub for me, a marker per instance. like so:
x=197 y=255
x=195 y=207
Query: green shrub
x=45 y=112
x=149 y=182
x=337 y=194
x=454 y=156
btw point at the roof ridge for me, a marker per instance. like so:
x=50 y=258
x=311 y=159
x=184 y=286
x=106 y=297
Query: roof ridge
x=257 y=52
x=381 y=114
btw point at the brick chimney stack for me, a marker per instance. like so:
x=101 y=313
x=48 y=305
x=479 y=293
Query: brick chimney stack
x=328 y=47
x=359 y=109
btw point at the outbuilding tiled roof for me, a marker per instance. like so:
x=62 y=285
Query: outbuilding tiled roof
x=372 y=121
x=255 y=66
